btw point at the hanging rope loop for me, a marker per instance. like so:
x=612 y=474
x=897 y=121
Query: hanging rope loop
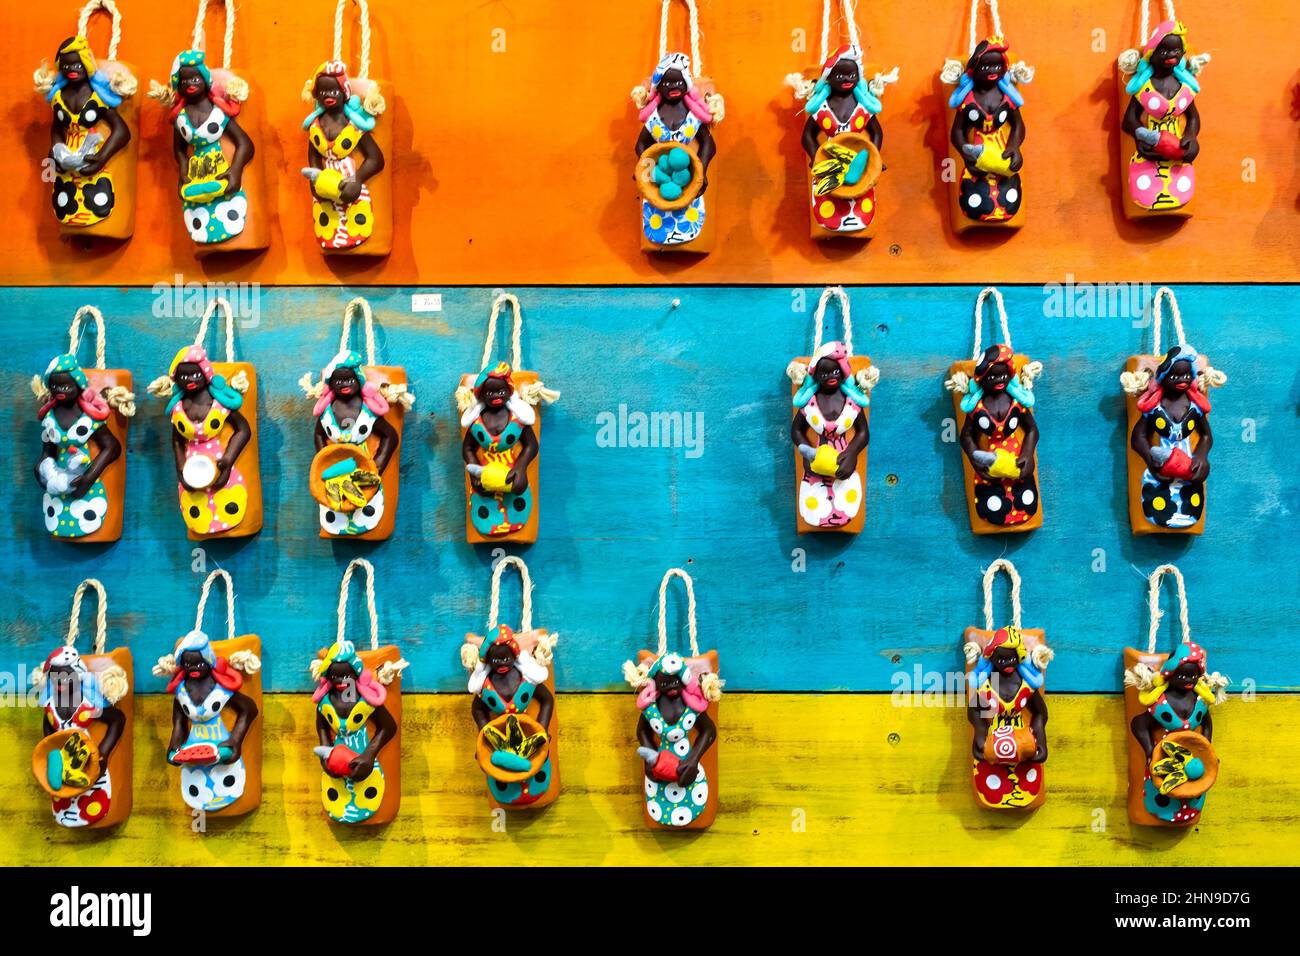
x=224 y=575
x=845 y=317
x=697 y=62
x=1157 y=314
x=229 y=40
x=525 y=591
x=690 y=611
x=109 y=7
x=498 y=304
x=229 y=316
x=101 y=615
x=1153 y=605
x=991 y=292
x=74 y=333
x=359 y=304
x=363 y=17
x=1001 y=564
x=344 y=587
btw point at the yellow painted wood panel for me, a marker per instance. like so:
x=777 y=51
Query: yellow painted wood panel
x=866 y=796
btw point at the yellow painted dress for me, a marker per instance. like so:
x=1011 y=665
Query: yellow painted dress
x=1167 y=183
x=350 y=801
x=1009 y=784
x=81 y=200
x=211 y=510
x=339 y=225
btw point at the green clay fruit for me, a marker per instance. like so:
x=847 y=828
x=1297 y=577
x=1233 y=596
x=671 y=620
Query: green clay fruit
x=664 y=164
x=1195 y=769
x=678 y=158
x=660 y=176
x=670 y=191
x=682 y=176
x=509 y=761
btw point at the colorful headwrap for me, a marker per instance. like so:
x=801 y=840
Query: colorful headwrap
x=221 y=389
x=992 y=356
x=693 y=99
x=521 y=644
x=91 y=402
x=222 y=672
x=1188 y=653
x=689 y=669
x=352 y=106
x=1144 y=71
x=501 y=370
x=345 y=652
x=994 y=44
x=1012 y=638
x=1179 y=353
x=370 y=394
x=99 y=80
x=862 y=92
x=518 y=407
x=839 y=353
x=67 y=656
x=216 y=88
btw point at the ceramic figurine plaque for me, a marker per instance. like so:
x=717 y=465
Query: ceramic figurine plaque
x=212 y=410
x=94 y=138
x=84 y=760
x=677 y=732
x=1169 y=431
x=513 y=702
x=677 y=109
x=216 y=689
x=348 y=142
x=358 y=701
x=83 y=415
x=359 y=412
x=830 y=431
x=841 y=134
x=987 y=130
x=1157 y=88
x=1172 y=763
x=501 y=428
x=1005 y=672
x=223 y=201
x=993 y=401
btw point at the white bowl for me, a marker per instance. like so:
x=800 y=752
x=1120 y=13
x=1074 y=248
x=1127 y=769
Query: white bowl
x=199 y=471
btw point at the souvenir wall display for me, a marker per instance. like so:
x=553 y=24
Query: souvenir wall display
x=84 y=758
x=987 y=129
x=359 y=411
x=830 y=430
x=216 y=736
x=94 y=139
x=993 y=398
x=677 y=108
x=1157 y=87
x=1169 y=430
x=348 y=140
x=841 y=133
x=501 y=428
x=358 y=701
x=212 y=408
x=83 y=415
x=513 y=702
x=223 y=199
x=1005 y=671
x=1167 y=699
x=677 y=732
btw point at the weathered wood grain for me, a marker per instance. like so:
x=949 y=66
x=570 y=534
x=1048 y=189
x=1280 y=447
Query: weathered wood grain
x=805 y=779
x=616 y=517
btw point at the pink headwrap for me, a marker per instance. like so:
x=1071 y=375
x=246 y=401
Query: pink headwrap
x=368 y=686
x=837 y=351
x=694 y=100
x=691 y=693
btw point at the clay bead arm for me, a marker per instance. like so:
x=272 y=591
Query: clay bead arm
x=178 y=453
x=245 y=710
x=238 y=440
x=959 y=136
x=707 y=150
x=118 y=136
x=479 y=710
x=1030 y=427
x=385 y=730
x=969 y=446
x=372 y=159
x=244 y=151
x=114 y=723
x=1014 y=140
x=875 y=132
x=799 y=430
x=1038 y=723
x=527 y=452
x=1201 y=457
x=110 y=449
x=644 y=735
x=1143 y=727
x=180 y=728
x=811 y=139
x=180 y=153
x=545 y=706
x=324 y=733
x=1140 y=441
x=644 y=141
x=469 y=452
x=975 y=713
x=388 y=441
x=1191 y=146
x=1132 y=123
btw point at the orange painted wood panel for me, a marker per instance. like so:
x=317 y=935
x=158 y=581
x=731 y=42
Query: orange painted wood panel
x=516 y=166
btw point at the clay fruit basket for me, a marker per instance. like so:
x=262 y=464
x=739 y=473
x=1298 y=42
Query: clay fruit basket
x=645 y=177
x=66 y=763
x=515 y=736
x=346 y=468
x=1188 y=757
x=855 y=143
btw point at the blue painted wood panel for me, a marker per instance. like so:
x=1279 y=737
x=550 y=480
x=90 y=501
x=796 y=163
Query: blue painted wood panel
x=613 y=518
